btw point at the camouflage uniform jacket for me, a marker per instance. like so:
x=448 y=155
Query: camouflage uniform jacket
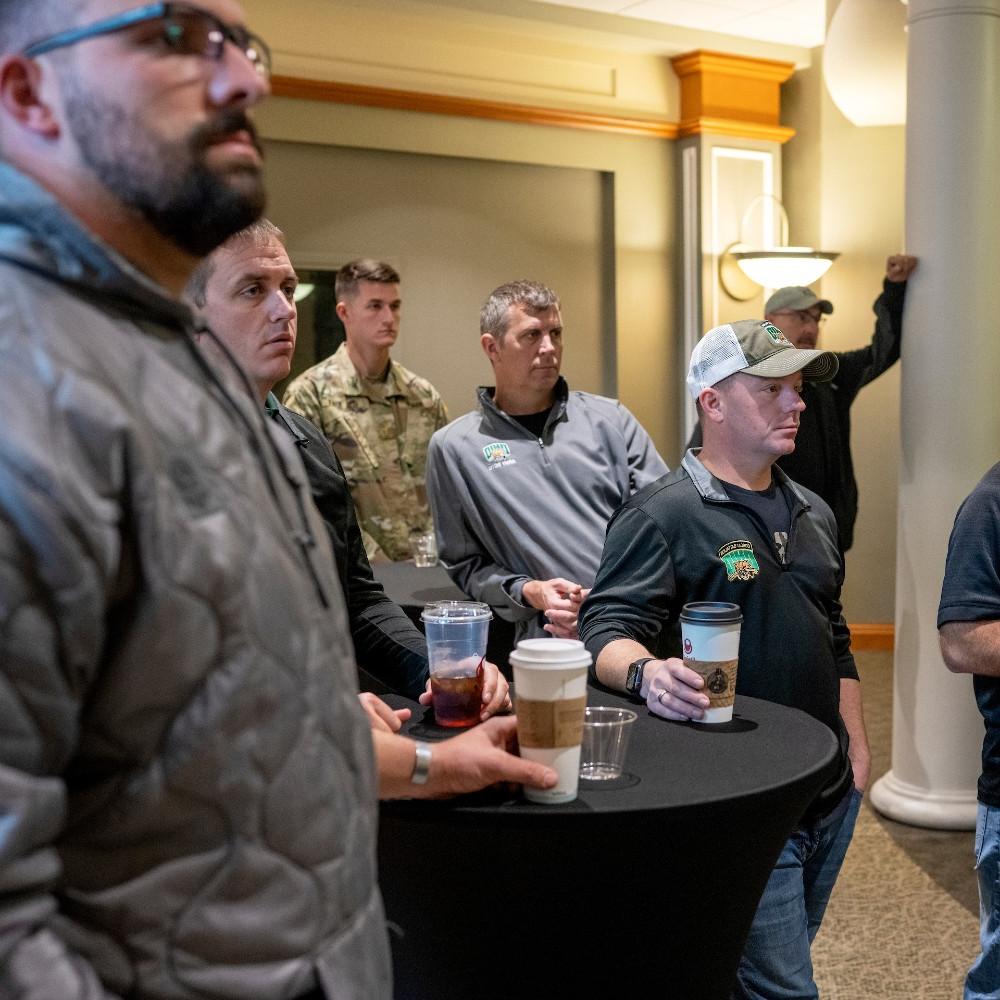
x=379 y=429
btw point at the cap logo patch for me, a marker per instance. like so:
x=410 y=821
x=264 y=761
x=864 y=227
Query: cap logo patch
x=775 y=335
x=741 y=563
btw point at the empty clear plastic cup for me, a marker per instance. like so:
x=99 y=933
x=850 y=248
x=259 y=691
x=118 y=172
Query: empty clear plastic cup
x=606 y=733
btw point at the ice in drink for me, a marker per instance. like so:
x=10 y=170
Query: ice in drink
x=458 y=698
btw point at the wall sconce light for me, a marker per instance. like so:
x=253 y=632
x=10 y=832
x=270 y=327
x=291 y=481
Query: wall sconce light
x=303 y=291
x=743 y=268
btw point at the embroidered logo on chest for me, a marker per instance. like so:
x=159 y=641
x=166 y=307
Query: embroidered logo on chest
x=741 y=563
x=497 y=454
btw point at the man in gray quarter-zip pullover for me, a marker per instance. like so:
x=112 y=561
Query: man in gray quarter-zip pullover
x=522 y=488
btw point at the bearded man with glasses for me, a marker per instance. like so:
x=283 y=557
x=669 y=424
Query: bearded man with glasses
x=187 y=780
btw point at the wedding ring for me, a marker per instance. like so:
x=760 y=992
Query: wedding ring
x=659 y=697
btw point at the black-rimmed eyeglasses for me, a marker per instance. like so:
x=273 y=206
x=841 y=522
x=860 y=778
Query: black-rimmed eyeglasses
x=187 y=30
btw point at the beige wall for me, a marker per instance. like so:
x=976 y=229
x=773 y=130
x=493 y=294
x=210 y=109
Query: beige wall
x=524 y=53
x=454 y=229
x=844 y=191
x=637 y=181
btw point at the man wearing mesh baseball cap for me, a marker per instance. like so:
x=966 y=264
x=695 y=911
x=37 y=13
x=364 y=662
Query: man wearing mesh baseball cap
x=822 y=458
x=729 y=525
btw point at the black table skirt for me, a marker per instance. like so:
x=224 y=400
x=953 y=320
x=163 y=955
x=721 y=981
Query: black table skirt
x=645 y=885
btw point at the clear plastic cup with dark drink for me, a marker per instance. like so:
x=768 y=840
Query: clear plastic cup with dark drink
x=456 y=649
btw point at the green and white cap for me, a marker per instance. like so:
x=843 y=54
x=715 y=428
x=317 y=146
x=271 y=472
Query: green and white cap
x=754 y=347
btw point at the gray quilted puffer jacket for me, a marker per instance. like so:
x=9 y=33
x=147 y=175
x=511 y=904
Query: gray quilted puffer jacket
x=187 y=785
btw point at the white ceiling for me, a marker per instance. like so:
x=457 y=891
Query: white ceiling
x=790 y=22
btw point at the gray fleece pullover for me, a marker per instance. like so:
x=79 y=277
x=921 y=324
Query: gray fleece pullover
x=510 y=507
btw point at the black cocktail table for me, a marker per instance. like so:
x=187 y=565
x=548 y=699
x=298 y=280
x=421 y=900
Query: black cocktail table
x=645 y=886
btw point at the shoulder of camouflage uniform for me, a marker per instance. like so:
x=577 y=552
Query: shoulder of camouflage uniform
x=417 y=388
x=329 y=374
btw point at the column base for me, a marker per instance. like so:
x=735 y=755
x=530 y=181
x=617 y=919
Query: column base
x=907 y=803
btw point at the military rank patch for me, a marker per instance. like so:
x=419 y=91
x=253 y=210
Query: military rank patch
x=741 y=563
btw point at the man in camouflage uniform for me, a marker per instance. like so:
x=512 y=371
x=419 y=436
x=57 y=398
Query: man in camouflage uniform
x=377 y=415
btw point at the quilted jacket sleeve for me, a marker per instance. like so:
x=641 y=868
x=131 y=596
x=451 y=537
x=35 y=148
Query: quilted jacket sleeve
x=38 y=726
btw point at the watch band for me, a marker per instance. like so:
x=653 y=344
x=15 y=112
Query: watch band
x=633 y=679
x=421 y=764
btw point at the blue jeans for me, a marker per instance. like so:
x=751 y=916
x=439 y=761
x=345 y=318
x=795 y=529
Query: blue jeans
x=776 y=963
x=983 y=980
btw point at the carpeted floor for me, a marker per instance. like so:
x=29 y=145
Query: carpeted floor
x=903 y=920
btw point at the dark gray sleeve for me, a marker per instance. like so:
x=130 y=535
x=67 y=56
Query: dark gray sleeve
x=631 y=596
x=971 y=587
x=861 y=366
x=847 y=669
x=390 y=647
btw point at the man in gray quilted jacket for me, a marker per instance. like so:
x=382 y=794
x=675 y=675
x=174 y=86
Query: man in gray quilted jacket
x=187 y=780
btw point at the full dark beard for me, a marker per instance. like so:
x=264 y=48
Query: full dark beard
x=169 y=183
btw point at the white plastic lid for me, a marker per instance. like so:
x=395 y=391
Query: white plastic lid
x=554 y=653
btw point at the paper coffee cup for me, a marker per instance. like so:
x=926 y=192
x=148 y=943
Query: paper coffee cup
x=710 y=641
x=550 y=684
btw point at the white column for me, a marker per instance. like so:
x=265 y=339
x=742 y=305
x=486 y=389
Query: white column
x=950 y=407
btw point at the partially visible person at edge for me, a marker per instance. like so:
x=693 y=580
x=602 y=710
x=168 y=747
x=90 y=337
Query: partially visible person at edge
x=377 y=415
x=729 y=525
x=187 y=780
x=245 y=292
x=522 y=487
x=969 y=632
x=822 y=460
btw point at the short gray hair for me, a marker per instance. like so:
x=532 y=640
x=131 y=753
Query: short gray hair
x=532 y=296
x=258 y=233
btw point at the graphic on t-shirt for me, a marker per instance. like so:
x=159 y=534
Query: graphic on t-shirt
x=780 y=541
x=741 y=563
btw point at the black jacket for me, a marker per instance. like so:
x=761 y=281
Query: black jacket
x=665 y=547
x=822 y=458
x=386 y=643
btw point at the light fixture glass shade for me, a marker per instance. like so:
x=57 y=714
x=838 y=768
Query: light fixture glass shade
x=772 y=267
x=303 y=291
x=864 y=61
x=781 y=266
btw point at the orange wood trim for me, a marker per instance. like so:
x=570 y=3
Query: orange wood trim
x=744 y=130
x=732 y=95
x=873 y=637
x=445 y=104
x=705 y=61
